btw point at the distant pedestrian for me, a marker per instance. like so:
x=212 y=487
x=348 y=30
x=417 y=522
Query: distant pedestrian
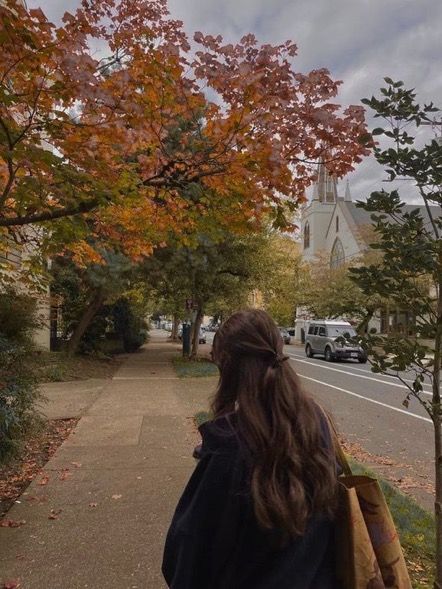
x=258 y=510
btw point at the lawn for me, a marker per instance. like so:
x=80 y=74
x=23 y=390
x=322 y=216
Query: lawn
x=57 y=367
x=194 y=368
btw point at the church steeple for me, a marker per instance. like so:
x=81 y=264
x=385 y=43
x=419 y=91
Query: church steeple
x=325 y=189
x=347 y=196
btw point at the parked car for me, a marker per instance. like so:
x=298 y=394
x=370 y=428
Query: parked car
x=202 y=337
x=330 y=339
x=285 y=335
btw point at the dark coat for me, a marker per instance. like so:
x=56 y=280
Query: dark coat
x=214 y=541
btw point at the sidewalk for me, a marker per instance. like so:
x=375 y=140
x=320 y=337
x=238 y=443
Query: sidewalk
x=97 y=516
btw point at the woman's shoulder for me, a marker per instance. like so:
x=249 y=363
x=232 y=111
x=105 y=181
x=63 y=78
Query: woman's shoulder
x=220 y=435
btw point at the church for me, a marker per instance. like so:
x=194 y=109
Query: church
x=333 y=225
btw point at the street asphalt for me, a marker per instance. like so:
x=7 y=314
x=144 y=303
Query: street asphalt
x=368 y=409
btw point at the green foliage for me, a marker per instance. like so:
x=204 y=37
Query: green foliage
x=18 y=391
x=201 y=417
x=330 y=292
x=77 y=287
x=186 y=368
x=410 y=269
x=129 y=325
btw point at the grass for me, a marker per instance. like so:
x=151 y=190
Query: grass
x=194 y=368
x=415 y=525
x=57 y=367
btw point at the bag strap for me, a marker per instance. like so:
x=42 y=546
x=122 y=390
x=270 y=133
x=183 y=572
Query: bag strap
x=340 y=455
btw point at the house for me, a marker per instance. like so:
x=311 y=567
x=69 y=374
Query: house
x=14 y=257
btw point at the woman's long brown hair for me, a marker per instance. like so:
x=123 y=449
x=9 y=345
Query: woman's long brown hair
x=293 y=472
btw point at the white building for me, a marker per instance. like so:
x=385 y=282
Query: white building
x=332 y=225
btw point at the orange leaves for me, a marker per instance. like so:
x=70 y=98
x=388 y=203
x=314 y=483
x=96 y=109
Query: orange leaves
x=127 y=140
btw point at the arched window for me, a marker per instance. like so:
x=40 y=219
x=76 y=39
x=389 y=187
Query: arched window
x=337 y=223
x=337 y=256
x=306 y=235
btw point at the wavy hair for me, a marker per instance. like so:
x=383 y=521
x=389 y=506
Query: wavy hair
x=293 y=470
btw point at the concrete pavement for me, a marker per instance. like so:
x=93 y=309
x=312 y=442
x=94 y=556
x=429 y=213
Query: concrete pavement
x=97 y=515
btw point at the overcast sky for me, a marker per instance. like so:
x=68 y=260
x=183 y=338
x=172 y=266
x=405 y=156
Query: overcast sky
x=359 y=41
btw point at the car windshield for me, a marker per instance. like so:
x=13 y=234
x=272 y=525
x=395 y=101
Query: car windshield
x=340 y=330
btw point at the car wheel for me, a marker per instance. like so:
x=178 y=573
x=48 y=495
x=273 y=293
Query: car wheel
x=308 y=351
x=328 y=354
x=362 y=360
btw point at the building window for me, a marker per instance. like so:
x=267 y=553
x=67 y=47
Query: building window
x=337 y=257
x=337 y=223
x=306 y=236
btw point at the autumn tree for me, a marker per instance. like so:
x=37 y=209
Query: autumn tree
x=409 y=272
x=281 y=269
x=328 y=291
x=127 y=136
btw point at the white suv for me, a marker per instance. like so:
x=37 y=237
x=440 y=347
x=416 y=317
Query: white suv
x=321 y=339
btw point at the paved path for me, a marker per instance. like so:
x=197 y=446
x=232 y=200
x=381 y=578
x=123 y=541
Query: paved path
x=99 y=521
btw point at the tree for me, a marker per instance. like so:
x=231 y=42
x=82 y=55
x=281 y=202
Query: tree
x=281 y=272
x=331 y=292
x=124 y=139
x=85 y=289
x=409 y=272
x=217 y=275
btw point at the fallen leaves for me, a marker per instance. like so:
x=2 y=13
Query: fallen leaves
x=65 y=474
x=54 y=513
x=13 y=584
x=93 y=504
x=43 y=480
x=16 y=476
x=116 y=496
x=12 y=523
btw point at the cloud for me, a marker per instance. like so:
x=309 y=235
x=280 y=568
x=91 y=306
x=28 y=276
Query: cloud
x=359 y=41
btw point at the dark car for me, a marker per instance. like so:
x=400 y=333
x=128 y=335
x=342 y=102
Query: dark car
x=285 y=335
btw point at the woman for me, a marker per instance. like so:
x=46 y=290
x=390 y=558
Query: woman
x=257 y=512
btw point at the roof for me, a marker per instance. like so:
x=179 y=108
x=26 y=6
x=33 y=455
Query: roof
x=362 y=217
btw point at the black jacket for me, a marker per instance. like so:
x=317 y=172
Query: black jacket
x=214 y=541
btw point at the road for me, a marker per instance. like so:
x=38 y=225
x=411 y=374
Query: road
x=368 y=410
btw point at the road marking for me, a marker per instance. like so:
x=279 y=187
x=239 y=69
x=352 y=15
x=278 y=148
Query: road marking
x=353 y=367
x=391 y=384
x=331 y=386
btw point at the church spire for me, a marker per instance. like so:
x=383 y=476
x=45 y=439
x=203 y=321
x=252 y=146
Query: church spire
x=325 y=189
x=347 y=196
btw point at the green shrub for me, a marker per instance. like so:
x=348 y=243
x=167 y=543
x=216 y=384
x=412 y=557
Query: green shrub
x=18 y=390
x=129 y=325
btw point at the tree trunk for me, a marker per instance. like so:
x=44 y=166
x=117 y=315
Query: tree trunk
x=196 y=333
x=363 y=326
x=90 y=312
x=437 y=422
x=175 y=322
